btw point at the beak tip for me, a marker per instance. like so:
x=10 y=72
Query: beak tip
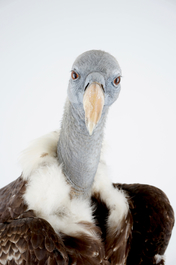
x=90 y=127
x=90 y=132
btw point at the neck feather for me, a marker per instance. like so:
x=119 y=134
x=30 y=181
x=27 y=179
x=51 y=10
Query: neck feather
x=78 y=152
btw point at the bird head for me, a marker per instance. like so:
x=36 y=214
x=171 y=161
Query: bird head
x=94 y=85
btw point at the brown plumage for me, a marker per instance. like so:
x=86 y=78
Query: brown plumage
x=153 y=221
x=116 y=242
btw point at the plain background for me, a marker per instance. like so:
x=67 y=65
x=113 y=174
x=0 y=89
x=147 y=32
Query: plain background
x=40 y=39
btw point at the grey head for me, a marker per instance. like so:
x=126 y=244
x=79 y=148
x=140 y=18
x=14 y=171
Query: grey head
x=94 y=85
x=95 y=66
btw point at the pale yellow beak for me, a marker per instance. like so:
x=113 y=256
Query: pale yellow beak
x=93 y=103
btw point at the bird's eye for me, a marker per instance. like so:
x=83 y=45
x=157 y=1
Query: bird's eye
x=74 y=75
x=117 y=80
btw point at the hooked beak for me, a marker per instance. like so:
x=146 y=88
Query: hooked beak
x=93 y=103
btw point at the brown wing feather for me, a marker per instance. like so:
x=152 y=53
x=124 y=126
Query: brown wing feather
x=84 y=249
x=153 y=219
x=117 y=242
x=30 y=241
x=11 y=201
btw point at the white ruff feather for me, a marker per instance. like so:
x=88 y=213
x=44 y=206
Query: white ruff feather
x=48 y=193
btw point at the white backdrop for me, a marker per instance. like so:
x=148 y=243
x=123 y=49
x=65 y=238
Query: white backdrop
x=40 y=39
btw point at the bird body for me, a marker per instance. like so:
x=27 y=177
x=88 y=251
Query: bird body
x=64 y=209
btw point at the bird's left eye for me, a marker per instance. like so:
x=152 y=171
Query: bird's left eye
x=74 y=75
x=117 y=80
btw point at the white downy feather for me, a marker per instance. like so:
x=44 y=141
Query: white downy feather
x=48 y=193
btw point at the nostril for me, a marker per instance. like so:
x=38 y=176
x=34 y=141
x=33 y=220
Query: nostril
x=86 y=86
x=102 y=88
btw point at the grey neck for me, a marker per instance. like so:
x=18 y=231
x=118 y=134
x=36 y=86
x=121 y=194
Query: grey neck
x=78 y=152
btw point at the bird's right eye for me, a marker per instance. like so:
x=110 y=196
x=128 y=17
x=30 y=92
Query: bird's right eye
x=74 y=75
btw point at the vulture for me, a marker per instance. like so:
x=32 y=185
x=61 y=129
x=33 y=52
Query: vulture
x=64 y=209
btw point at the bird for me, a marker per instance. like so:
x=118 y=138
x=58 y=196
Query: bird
x=64 y=208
